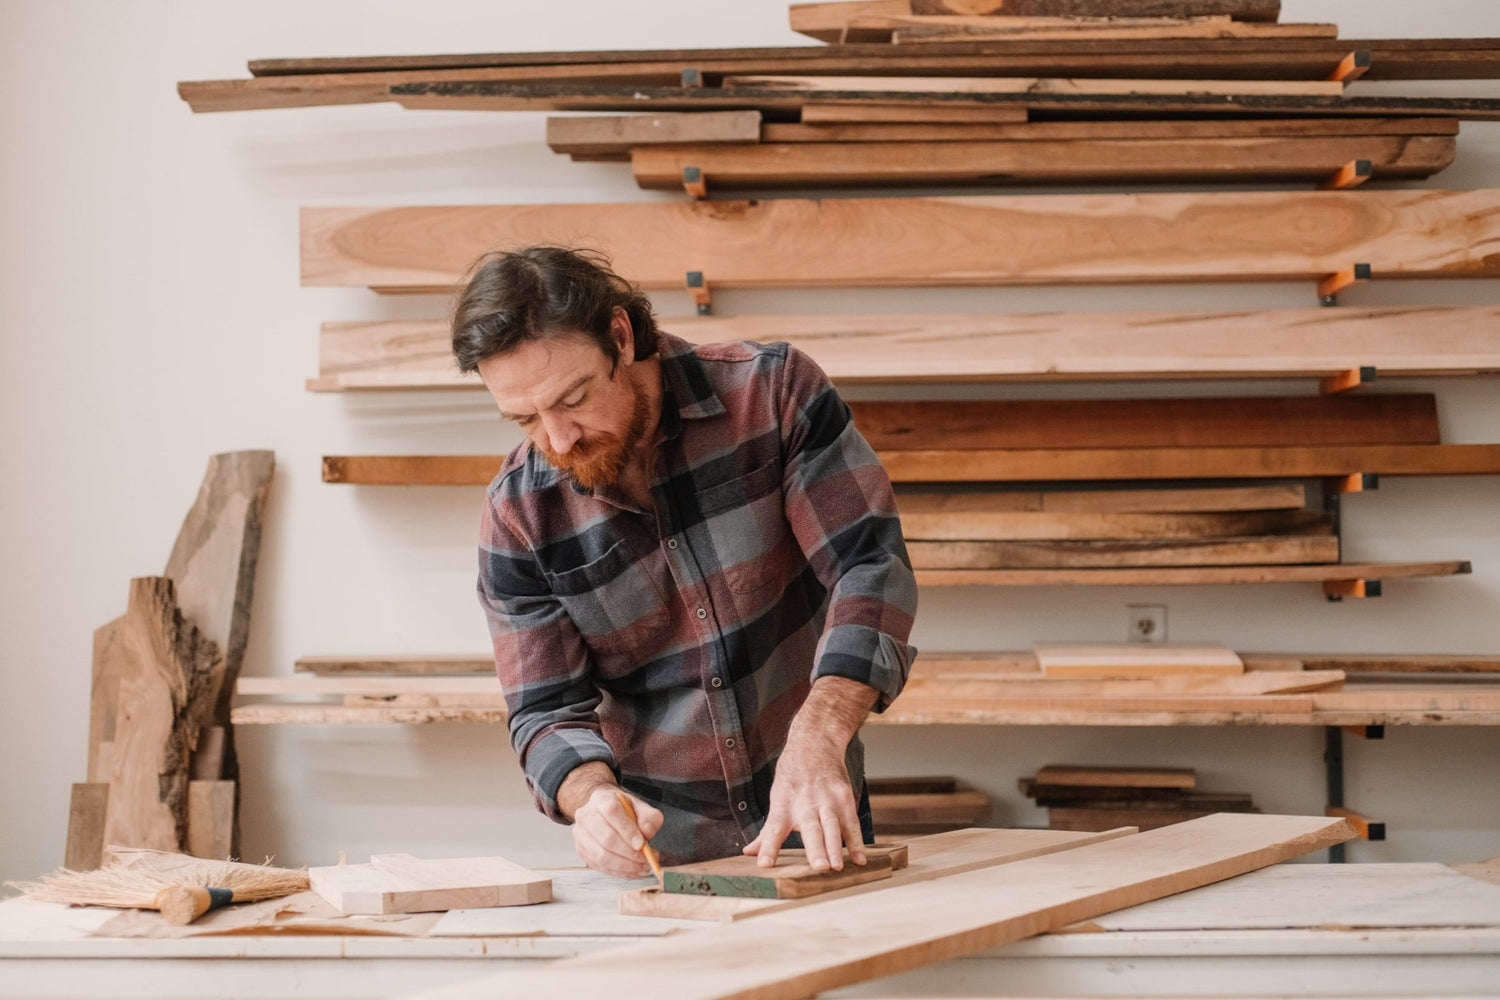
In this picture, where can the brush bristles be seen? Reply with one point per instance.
(136, 886)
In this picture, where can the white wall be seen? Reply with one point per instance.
(150, 315)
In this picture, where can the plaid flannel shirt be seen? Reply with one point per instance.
(676, 645)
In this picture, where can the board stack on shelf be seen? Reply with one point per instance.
(916, 807)
(1102, 798)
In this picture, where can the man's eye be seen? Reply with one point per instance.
(526, 421)
(576, 403)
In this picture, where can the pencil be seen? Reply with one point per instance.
(650, 852)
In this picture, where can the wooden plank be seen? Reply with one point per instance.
(1271, 550)
(919, 30)
(1037, 161)
(168, 670)
(104, 690)
(263, 686)
(1240, 10)
(586, 95)
(1121, 661)
(865, 21)
(1031, 85)
(771, 957)
(400, 883)
(1165, 576)
(86, 812)
(795, 242)
(791, 878)
(1138, 130)
(1075, 776)
(1223, 421)
(318, 714)
(1020, 465)
(929, 857)
(210, 828)
(955, 809)
(1083, 820)
(980, 688)
(396, 664)
(976, 516)
(598, 135)
(853, 111)
(1397, 663)
(403, 354)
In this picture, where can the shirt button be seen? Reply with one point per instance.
(729, 742)
(702, 613)
(717, 682)
(671, 543)
(743, 806)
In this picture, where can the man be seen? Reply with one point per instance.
(693, 573)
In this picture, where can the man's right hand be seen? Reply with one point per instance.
(603, 834)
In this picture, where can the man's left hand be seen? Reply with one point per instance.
(811, 793)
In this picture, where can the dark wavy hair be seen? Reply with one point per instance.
(513, 297)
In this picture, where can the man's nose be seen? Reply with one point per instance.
(562, 433)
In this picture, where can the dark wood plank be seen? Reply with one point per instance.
(1240, 10)
(1224, 421)
(1172, 576)
(983, 555)
(930, 518)
(1054, 131)
(970, 240)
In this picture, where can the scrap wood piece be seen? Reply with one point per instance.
(598, 135)
(1285, 342)
(1395, 663)
(1136, 659)
(400, 883)
(1103, 776)
(982, 688)
(86, 812)
(1187, 575)
(1036, 161)
(1139, 130)
(968, 240)
(464, 685)
(931, 856)
(1239, 10)
(790, 954)
(949, 86)
(1106, 502)
(401, 664)
(1267, 550)
(982, 516)
(791, 878)
(169, 672)
(897, 112)
(305, 714)
(919, 30)
(1364, 419)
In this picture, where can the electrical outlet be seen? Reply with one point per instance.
(1146, 623)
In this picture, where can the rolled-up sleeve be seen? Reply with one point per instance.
(542, 663)
(842, 510)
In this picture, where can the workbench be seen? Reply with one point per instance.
(1294, 929)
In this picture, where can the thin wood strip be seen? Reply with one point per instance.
(1189, 575)
(263, 686)
(1036, 161)
(416, 354)
(791, 954)
(1254, 682)
(940, 29)
(941, 522)
(1075, 506)
(1264, 11)
(396, 664)
(595, 134)
(1082, 86)
(983, 556)
(896, 112)
(1140, 131)
(1020, 465)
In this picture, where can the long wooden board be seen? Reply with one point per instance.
(960, 28)
(1021, 465)
(1138, 130)
(791, 878)
(1037, 161)
(791, 954)
(1235, 236)
(1432, 340)
(1173, 576)
(1218, 421)
(1143, 659)
(985, 555)
(1031, 86)
(867, 21)
(982, 688)
(897, 112)
(1286, 58)
(938, 520)
(1240, 10)
(602, 135)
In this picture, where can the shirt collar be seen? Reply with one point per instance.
(687, 393)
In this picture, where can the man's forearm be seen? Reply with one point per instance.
(580, 783)
(834, 710)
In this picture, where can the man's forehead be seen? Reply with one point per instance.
(540, 374)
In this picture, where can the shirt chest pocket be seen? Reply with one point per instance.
(616, 604)
(746, 519)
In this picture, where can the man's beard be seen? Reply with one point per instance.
(598, 462)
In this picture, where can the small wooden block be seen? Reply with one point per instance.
(1124, 661)
(400, 883)
(210, 832)
(85, 849)
(792, 878)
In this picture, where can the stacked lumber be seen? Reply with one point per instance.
(162, 769)
(917, 807)
(1102, 798)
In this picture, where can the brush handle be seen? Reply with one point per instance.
(182, 904)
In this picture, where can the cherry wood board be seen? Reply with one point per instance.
(1270, 550)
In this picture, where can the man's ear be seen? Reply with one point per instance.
(623, 333)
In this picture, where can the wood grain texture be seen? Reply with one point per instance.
(873, 21)
(1119, 661)
(1138, 130)
(895, 111)
(405, 664)
(1117, 777)
(1021, 465)
(1272, 550)
(210, 827)
(86, 812)
(993, 689)
(920, 30)
(1166, 576)
(104, 692)
(411, 354)
(1221, 421)
(1032, 86)
(974, 520)
(942, 241)
(1037, 161)
(1240, 10)
(169, 671)
(791, 954)
(792, 878)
